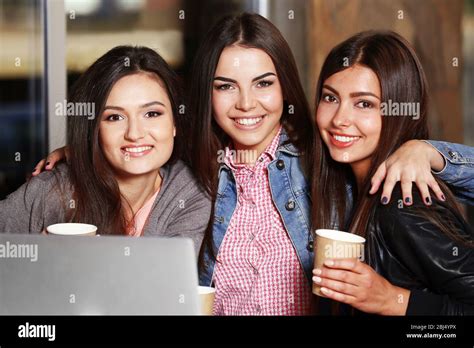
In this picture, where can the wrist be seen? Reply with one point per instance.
(437, 162)
(397, 301)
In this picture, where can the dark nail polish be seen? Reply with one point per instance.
(384, 200)
(407, 200)
(443, 198)
(428, 200)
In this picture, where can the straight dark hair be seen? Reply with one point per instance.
(402, 80)
(251, 31)
(98, 200)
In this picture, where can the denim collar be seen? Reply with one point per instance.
(284, 146)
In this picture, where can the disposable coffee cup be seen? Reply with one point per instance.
(206, 297)
(72, 229)
(333, 244)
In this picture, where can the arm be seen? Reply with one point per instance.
(443, 265)
(456, 169)
(22, 210)
(414, 162)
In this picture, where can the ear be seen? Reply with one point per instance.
(174, 131)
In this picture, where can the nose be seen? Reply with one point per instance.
(246, 101)
(135, 129)
(342, 118)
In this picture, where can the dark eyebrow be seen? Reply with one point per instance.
(226, 79)
(262, 76)
(152, 103)
(111, 107)
(361, 94)
(352, 95)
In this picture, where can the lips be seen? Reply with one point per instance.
(136, 150)
(248, 122)
(342, 140)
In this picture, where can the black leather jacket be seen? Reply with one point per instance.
(411, 252)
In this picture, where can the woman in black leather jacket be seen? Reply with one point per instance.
(371, 98)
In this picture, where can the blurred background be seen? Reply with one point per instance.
(46, 44)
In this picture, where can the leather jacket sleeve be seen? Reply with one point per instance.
(441, 269)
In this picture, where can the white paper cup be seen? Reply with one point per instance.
(333, 244)
(206, 297)
(72, 229)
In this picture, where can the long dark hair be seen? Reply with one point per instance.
(98, 200)
(402, 80)
(253, 31)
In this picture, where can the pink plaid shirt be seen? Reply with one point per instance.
(257, 270)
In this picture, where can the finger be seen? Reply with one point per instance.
(53, 158)
(406, 192)
(353, 265)
(67, 153)
(388, 186)
(338, 296)
(425, 192)
(344, 288)
(433, 184)
(337, 274)
(39, 167)
(378, 177)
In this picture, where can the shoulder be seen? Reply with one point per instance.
(417, 219)
(48, 180)
(179, 180)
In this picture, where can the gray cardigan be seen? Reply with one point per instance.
(181, 208)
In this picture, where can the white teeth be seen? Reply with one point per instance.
(137, 149)
(248, 121)
(344, 139)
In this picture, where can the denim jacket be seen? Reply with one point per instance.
(291, 195)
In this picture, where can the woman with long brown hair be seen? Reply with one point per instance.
(419, 259)
(124, 174)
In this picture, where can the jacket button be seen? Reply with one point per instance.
(310, 246)
(280, 164)
(453, 155)
(290, 205)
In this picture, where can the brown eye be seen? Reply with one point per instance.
(223, 87)
(114, 117)
(364, 104)
(153, 114)
(329, 98)
(265, 83)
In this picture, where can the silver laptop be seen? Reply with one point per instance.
(69, 275)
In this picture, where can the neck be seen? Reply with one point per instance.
(248, 154)
(137, 189)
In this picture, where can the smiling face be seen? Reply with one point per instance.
(247, 98)
(136, 130)
(349, 117)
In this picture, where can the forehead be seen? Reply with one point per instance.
(357, 78)
(238, 61)
(139, 86)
